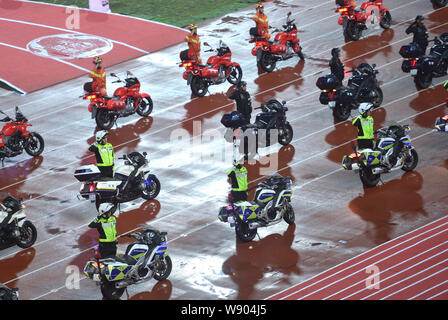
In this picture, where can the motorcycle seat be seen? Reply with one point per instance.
(126, 259)
(108, 179)
(111, 98)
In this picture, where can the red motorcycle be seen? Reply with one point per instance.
(15, 138)
(126, 101)
(218, 69)
(354, 21)
(285, 46)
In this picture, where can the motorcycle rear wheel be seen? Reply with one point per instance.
(104, 119)
(386, 20)
(369, 179)
(410, 162)
(110, 292)
(352, 31)
(267, 63)
(164, 272)
(423, 80)
(35, 145)
(341, 112)
(235, 75)
(145, 107)
(198, 86)
(244, 233)
(28, 235)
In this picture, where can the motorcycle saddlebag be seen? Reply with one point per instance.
(232, 120)
(87, 173)
(328, 82)
(411, 51)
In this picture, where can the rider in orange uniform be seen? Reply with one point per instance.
(262, 22)
(98, 75)
(194, 43)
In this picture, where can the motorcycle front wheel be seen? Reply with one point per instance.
(35, 144)
(386, 20)
(199, 86)
(235, 75)
(145, 107)
(289, 216)
(104, 119)
(285, 135)
(28, 235)
(440, 3)
(163, 270)
(244, 233)
(110, 292)
(410, 162)
(152, 189)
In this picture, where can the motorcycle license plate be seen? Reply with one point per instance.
(92, 197)
(332, 104)
(414, 72)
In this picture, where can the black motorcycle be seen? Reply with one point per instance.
(272, 117)
(14, 228)
(7, 293)
(362, 87)
(131, 181)
(425, 67)
(440, 3)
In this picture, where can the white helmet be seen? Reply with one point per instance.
(364, 107)
(105, 207)
(100, 135)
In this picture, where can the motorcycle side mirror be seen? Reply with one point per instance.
(354, 146)
(113, 75)
(289, 13)
(283, 102)
(145, 153)
(374, 65)
(206, 44)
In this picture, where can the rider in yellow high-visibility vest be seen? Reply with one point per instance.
(104, 153)
(364, 124)
(237, 177)
(106, 224)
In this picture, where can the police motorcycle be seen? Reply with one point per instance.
(362, 87)
(144, 259)
(425, 67)
(272, 204)
(8, 294)
(439, 3)
(131, 180)
(271, 119)
(441, 123)
(14, 228)
(371, 163)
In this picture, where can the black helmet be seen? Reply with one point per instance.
(241, 84)
(419, 18)
(335, 51)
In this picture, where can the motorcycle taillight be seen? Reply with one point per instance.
(413, 62)
(92, 187)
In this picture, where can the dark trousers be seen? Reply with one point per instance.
(365, 143)
(107, 171)
(107, 249)
(239, 196)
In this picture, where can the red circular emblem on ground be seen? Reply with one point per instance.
(70, 46)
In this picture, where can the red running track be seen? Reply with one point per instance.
(412, 266)
(26, 21)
